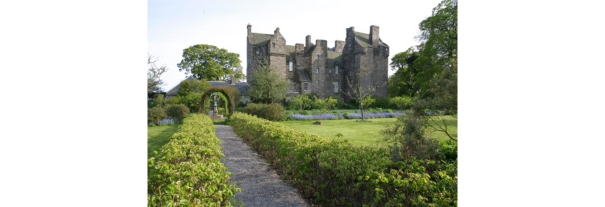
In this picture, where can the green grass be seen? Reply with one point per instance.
(158, 136)
(360, 133)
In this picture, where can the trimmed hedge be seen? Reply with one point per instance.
(273, 112)
(188, 171)
(334, 173)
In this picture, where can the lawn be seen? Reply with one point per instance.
(360, 133)
(158, 136)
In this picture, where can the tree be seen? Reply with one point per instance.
(404, 81)
(210, 63)
(266, 84)
(361, 91)
(417, 66)
(192, 86)
(437, 69)
(154, 82)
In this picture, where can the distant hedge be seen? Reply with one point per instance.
(273, 112)
(188, 171)
(334, 173)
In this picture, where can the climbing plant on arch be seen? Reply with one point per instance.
(227, 97)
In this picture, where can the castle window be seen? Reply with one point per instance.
(290, 80)
(290, 66)
(336, 70)
(317, 56)
(306, 86)
(330, 71)
(317, 70)
(317, 82)
(335, 87)
(274, 45)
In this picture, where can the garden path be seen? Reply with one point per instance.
(261, 186)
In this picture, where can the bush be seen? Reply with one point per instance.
(381, 102)
(151, 125)
(334, 173)
(188, 170)
(156, 114)
(273, 112)
(177, 111)
(173, 100)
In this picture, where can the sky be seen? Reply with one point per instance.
(174, 26)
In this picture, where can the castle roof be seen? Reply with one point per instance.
(302, 74)
(290, 52)
(334, 58)
(260, 39)
(364, 40)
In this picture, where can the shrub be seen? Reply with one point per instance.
(188, 170)
(159, 100)
(382, 102)
(305, 112)
(173, 100)
(156, 114)
(389, 111)
(151, 125)
(273, 112)
(334, 173)
(177, 111)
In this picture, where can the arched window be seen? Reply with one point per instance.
(290, 65)
(336, 70)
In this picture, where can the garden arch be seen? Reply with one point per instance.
(226, 96)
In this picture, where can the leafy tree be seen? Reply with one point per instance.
(403, 82)
(159, 100)
(437, 79)
(192, 86)
(417, 66)
(153, 75)
(210, 63)
(267, 85)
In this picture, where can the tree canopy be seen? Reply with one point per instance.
(211, 63)
(267, 85)
(417, 66)
(192, 86)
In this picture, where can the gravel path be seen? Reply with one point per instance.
(261, 186)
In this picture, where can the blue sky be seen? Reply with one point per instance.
(176, 25)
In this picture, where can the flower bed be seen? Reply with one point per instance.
(343, 116)
(188, 171)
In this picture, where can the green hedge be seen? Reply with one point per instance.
(188, 171)
(273, 112)
(334, 173)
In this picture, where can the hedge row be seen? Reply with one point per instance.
(334, 173)
(188, 170)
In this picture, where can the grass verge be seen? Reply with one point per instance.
(158, 136)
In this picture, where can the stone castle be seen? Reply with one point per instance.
(325, 71)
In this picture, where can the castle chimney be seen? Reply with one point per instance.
(339, 45)
(249, 30)
(374, 38)
(308, 41)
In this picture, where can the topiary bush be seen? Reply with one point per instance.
(177, 111)
(273, 112)
(156, 114)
